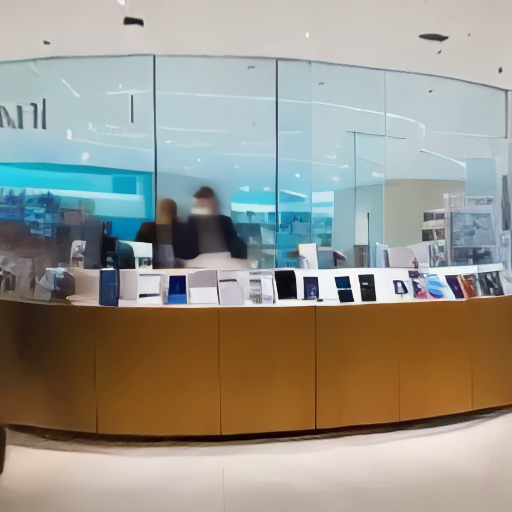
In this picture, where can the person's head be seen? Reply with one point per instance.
(205, 202)
(167, 211)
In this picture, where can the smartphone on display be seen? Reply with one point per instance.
(311, 291)
(344, 289)
(109, 287)
(367, 284)
(454, 284)
(286, 284)
(400, 288)
(494, 283)
(468, 285)
(177, 290)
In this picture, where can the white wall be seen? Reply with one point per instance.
(374, 33)
(405, 202)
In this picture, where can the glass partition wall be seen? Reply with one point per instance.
(352, 159)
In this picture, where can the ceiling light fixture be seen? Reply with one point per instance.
(335, 178)
(267, 189)
(244, 189)
(297, 175)
(198, 159)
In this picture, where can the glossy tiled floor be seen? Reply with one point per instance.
(464, 467)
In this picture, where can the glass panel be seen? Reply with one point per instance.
(348, 158)
(296, 218)
(216, 125)
(445, 161)
(76, 141)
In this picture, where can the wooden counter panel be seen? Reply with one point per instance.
(47, 366)
(158, 372)
(435, 358)
(358, 374)
(267, 369)
(491, 319)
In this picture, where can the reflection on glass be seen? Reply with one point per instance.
(348, 158)
(297, 223)
(76, 141)
(446, 156)
(216, 123)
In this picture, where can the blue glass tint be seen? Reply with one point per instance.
(77, 140)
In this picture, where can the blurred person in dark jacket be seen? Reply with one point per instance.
(211, 232)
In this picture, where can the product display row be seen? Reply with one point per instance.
(267, 287)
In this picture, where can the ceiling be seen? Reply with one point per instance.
(381, 34)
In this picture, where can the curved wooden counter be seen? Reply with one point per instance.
(208, 371)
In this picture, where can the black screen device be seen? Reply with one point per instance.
(344, 289)
(311, 290)
(286, 284)
(367, 284)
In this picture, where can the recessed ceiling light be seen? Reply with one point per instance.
(168, 141)
(121, 2)
(69, 134)
(335, 178)
(307, 34)
(244, 189)
(297, 175)
(186, 168)
(377, 175)
(267, 189)
(85, 156)
(237, 167)
(198, 159)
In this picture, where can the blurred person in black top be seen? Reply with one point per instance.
(211, 232)
(161, 233)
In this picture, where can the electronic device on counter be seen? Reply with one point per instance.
(489, 284)
(367, 284)
(311, 289)
(109, 287)
(419, 285)
(400, 288)
(494, 283)
(435, 286)
(468, 285)
(344, 289)
(286, 283)
(454, 284)
(177, 293)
